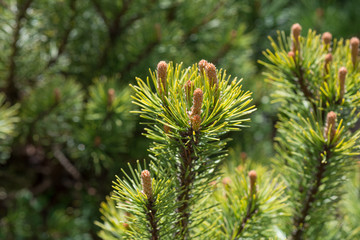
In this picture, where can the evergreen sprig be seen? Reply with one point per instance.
(317, 84)
(187, 111)
(250, 202)
(189, 149)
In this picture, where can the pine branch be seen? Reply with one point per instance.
(186, 178)
(65, 162)
(100, 12)
(299, 221)
(11, 90)
(153, 222)
(249, 214)
(65, 38)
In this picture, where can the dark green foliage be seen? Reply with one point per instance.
(187, 155)
(314, 153)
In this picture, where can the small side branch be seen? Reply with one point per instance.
(11, 90)
(153, 222)
(299, 222)
(186, 178)
(68, 166)
(249, 214)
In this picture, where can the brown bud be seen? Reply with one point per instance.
(252, 177)
(188, 87)
(330, 124)
(111, 96)
(161, 76)
(97, 141)
(126, 226)
(146, 184)
(240, 168)
(202, 65)
(291, 54)
(326, 38)
(226, 181)
(295, 32)
(57, 95)
(197, 102)
(166, 129)
(210, 70)
(354, 43)
(195, 122)
(328, 59)
(342, 76)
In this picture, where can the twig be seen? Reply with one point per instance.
(249, 214)
(186, 179)
(65, 38)
(59, 155)
(153, 222)
(299, 222)
(11, 90)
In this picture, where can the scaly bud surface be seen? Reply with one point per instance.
(210, 70)
(195, 122)
(328, 59)
(146, 184)
(295, 32)
(326, 38)
(161, 76)
(252, 177)
(202, 65)
(330, 124)
(354, 43)
(342, 76)
(197, 102)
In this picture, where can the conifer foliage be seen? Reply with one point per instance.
(187, 112)
(317, 83)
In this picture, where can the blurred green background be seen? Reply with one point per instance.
(64, 135)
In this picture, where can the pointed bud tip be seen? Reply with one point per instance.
(326, 37)
(145, 173)
(354, 42)
(252, 175)
(296, 30)
(342, 71)
(328, 57)
(226, 181)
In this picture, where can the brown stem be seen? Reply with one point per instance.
(11, 90)
(65, 162)
(299, 221)
(249, 214)
(153, 222)
(186, 179)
